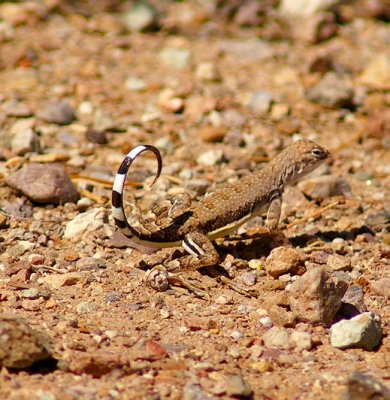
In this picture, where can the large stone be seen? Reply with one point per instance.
(47, 184)
(20, 345)
(89, 221)
(332, 91)
(315, 297)
(363, 331)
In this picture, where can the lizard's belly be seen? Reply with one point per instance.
(233, 226)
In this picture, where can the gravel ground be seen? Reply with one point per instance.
(219, 87)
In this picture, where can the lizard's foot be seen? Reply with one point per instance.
(159, 279)
(237, 288)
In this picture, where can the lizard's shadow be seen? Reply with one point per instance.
(260, 246)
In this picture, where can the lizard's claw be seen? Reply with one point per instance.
(157, 278)
(237, 288)
(198, 291)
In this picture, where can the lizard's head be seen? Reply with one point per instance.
(302, 157)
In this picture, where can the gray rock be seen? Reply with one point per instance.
(379, 220)
(84, 307)
(248, 278)
(193, 391)
(323, 187)
(47, 184)
(363, 387)
(353, 299)
(89, 264)
(60, 112)
(113, 297)
(283, 260)
(332, 91)
(175, 57)
(17, 109)
(24, 141)
(233, 118)
(305, 8)
(260, 102)
(32, 293)
(247, 50)
(140, 17)
(20, 345)
(315, 297)
(96, 136)
(363, 331)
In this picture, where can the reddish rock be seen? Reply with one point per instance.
(283, 260)
(315, 297)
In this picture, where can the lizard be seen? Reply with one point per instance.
(195, 226)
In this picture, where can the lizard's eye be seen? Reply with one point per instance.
(317, 153)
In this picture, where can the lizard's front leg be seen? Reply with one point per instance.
(201, 254)
(272, 221)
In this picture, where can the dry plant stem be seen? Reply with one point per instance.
(93, 197)
(51, 269)
(315, 213)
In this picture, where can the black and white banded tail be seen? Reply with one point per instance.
(119, 185)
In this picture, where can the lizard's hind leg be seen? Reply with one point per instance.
(202, 254)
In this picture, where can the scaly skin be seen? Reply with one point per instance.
(218, 214)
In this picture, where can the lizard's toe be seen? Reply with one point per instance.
(157, 278)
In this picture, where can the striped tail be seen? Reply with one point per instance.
(119, 185)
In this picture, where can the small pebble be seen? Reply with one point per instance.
(207, 71)
(135, 84)
(60, 112)
(96, 136)
(236, 335)
(301, 340)
(175, 57)
(210, 158)
(140, 17)
(260, 102)
(332, 91)
(113, 297)
(266, 322)
(248, 278)
(277, 337)
(84, 307)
